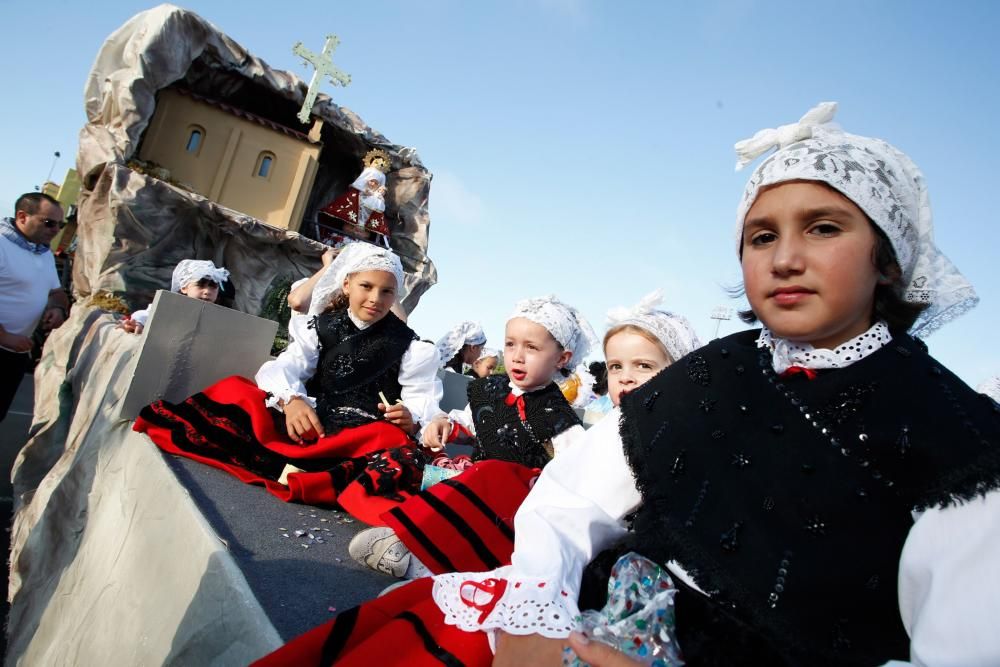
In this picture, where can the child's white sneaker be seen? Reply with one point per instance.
(380, 549)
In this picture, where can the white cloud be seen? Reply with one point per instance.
(452, 203)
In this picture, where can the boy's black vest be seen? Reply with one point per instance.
(354, 365)
(789, 499)
(501, 433)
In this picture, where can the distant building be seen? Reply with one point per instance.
(67, 195)
(51, 189)
(240, 160)
(69, 191)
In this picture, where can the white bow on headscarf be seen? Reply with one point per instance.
(750, 149)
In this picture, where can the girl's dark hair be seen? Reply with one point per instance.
(339, 302)
(599, 370)
(890, 306)
(455, 363)
(227, 294)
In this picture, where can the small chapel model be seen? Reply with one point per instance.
(241, 160)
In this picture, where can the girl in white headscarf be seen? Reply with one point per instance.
(461, 346)
(641, 341)
(821, 491)
(485, 363)
(354, 382)
(196, 278)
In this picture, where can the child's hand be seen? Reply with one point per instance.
(521, 650)
(301, 421)
(436, 433)
(399, 415)
(131, 326)
(599, 654)
(328, 257)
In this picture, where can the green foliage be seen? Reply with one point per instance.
(275, 308)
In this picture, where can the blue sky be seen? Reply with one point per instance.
(585, 148)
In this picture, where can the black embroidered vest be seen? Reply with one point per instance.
(789, 499)
(354, 365)
(502, 434)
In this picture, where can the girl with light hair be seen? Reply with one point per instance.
(354, 383)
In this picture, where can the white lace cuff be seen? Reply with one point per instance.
(474, 601)
(275, 400)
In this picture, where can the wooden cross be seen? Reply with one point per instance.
(324, 68)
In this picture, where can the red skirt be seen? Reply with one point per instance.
(403, 627)
(366, 469)
(466, 523)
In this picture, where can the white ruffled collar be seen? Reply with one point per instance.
(361, 324)
(517, 391)
(785, 353)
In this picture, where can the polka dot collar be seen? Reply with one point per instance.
(785, 353)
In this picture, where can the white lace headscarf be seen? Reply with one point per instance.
(884, 183)
(463, 333)
(353, 258)
(564, 322)
(673, 331)
(190, 271)
(361, 182)
(487, 353)
(991, 388)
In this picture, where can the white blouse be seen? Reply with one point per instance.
(140, 316)
(285, 377)
(949, 580)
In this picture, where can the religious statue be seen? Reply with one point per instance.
(363, 204)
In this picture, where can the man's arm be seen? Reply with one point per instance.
(57, 309)
(13, 342)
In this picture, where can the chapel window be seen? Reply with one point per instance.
(196, 137)
(265, 164)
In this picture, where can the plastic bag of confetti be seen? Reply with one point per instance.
(638, 618)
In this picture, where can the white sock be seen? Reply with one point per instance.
(416, 569)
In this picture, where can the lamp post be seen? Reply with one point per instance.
(55, 158)
(720, 313)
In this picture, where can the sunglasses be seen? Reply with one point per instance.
(53, 224)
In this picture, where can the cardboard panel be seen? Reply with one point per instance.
(456, 386)
(189, 344)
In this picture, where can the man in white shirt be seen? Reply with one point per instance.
(30, 292)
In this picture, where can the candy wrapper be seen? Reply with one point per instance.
(435, 474)
(638, 619)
